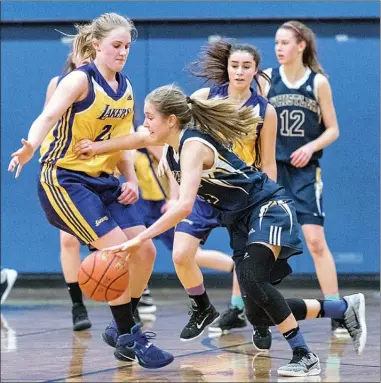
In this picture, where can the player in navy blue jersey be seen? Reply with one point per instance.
(260, 219)
(301, 95)
(231, 68)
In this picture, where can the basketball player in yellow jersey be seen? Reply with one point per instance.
(81, 197)
(70, 246)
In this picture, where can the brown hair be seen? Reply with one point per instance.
(213, 61)
(220, 118)
(303, 33)
(99, 28)
(69, 64)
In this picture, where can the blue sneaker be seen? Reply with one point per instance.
(110, 335)
(137, 344)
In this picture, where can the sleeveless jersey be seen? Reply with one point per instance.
(298, 111)
(231, 185)
(247, 150)
(102, 115)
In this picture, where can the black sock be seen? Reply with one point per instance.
(75, 292)
(134, 304)
(123, 317)
(200, 301)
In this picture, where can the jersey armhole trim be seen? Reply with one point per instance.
(209, 145)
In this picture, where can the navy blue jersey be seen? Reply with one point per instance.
(247, 151)
(299, 117)
(230, 185)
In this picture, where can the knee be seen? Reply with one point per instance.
(181, 256)
(316, 246)
(69, 244)
(147, 253)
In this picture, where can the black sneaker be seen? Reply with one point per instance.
(80, 318)
(146, 304)
(303, 363)
(338, 329)
(262, 338)
(197, 322)
(234, 317)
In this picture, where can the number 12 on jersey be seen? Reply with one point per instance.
(292, 122)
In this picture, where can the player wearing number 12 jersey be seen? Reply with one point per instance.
(301, 95)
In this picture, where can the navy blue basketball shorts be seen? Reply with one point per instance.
(200, 222)
(274, 222)
(305, 187)
(150, 211)
(84, 206)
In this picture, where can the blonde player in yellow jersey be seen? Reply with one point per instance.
(81, 197)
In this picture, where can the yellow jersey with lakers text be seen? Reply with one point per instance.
(102, 115)
(247, 150)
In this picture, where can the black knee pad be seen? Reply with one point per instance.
(255, 314)
(254, 268)
(298, 308)
(253, 272)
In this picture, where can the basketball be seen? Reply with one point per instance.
(103, 277)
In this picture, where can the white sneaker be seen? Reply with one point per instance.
(302, 364)
(354, 320)
(8, 278)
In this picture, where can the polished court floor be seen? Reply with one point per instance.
(38, 344)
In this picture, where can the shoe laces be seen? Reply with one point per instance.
(145, 337)
(351, 323)
(194, 313)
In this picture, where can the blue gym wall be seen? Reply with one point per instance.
(170, 36)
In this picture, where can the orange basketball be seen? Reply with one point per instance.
(103, 277)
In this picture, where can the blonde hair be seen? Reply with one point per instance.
(302, 33)
(98, 29)
(220, 118)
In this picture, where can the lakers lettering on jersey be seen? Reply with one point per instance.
(298, 111)
(102, 115)
(246, 151)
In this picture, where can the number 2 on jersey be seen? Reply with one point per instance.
(292, 122)
(105, 134)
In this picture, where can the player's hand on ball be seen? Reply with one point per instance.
(125, 248)
(85, 149)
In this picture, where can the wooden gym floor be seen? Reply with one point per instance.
(38, 344)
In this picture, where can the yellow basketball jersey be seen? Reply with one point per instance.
(151, 186)
(246, 151)
(102, 115)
